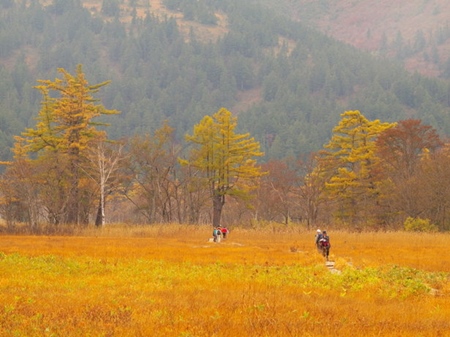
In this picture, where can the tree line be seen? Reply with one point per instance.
(370, 175)
(66, 170)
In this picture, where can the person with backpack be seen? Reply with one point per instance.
(317, 238)
(224, 231)
(325, 245)
(216, 234)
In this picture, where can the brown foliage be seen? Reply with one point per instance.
(401, 147)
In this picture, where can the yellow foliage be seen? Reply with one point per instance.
(224, 158)
(349, 160)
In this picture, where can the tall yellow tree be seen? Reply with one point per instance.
(65, 127)
(224, 159)
(350, 161)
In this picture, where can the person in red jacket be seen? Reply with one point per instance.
(225, 232)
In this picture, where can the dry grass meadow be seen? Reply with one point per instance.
(170, 281)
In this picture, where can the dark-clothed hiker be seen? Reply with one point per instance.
(325, 244)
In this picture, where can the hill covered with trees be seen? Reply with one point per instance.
(181, 60)
(414, 32)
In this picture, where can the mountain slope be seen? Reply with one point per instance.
(416, 31)
(287, 83)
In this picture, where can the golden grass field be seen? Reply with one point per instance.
(170, 281)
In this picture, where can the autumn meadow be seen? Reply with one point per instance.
(171, 281)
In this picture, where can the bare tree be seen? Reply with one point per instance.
(104, 159)
(312, 189)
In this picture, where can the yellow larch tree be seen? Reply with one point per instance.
(224, 159)
(65, 128)
(350, 161)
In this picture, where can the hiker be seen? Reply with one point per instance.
(325, 237)
(318, 237)
(225, 232)
(216, 234)
(325, 245)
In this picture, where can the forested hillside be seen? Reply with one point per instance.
(181, 60)
(415, 32)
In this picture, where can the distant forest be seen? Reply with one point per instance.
(287, 83)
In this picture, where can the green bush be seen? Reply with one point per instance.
(419, 225)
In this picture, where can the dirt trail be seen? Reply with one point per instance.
(330, 266)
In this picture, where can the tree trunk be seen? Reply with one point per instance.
(73, 204)
(100, 218)
(218, 202)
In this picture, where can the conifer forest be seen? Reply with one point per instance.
(214, 111)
